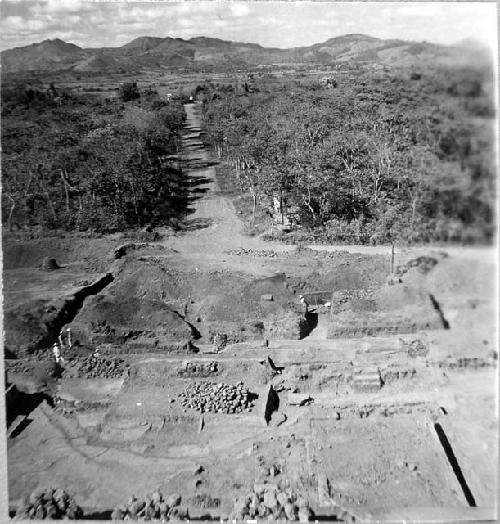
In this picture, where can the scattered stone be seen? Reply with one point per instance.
(268, 502)
(220, 342)
(393, 280)
(154, 506)
(204, 500)
(95, 366)
(423, 264)
(209, 397)
(417, 348)
(48, 504)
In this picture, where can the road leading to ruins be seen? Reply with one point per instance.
(214, 227)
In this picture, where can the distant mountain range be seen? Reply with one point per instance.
(206, 53)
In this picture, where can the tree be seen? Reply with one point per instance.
(129, 91)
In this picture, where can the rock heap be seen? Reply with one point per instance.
(217, 398)
(100, 367)
(268, 502)
(48, 504)
(423, 264)
(154, 506)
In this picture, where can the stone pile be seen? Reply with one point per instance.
(208, 397)
(253, 252)
(219, 341)
(154, 506)
(424, 264)
(95, 366)
(48, 504)
(198, 369)
(268, 502)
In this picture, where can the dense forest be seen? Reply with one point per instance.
(403, 156)
(75, 162)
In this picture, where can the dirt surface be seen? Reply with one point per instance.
(349, 400)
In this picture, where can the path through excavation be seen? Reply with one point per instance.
(367, 406)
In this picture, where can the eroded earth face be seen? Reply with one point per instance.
(377, 399)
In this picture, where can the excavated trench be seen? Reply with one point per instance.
(452, 460)
(73, 304)
(437, 306)
(307, 324)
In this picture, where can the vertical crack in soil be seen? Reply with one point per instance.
(452, 459)
(437, 307)
(272, 404)
(195, 333)
(308, 322)
(72, 307)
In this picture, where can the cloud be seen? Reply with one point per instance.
(62, 6)
(238, 9)
(18, 23)
(278, 24)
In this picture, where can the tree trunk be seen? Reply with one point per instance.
(254, 196)
(11, 212)
(281, 208)
(66, 192)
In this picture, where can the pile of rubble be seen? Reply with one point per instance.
(154, 506)
(217, 398)
(423, 264)
(198, 369)
(262, 253)
(266, 501)
(48, 504)
(95, 366)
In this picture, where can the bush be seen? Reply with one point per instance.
(129, 91)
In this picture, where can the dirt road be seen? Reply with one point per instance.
(214, 227)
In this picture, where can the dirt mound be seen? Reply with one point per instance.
(218, 301)
(390, 310)
(29, 326)
(49, 264)
(109, 319)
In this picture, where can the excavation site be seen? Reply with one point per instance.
(247, 283)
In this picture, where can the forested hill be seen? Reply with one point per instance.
(213, 53)
(407, 157)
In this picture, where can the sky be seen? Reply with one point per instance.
(274, 24)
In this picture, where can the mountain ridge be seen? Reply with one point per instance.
(206, 52)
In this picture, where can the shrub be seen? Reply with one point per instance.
(129, 91)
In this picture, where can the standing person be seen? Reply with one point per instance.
(69, 337)
(57, 353)
(305, 304)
